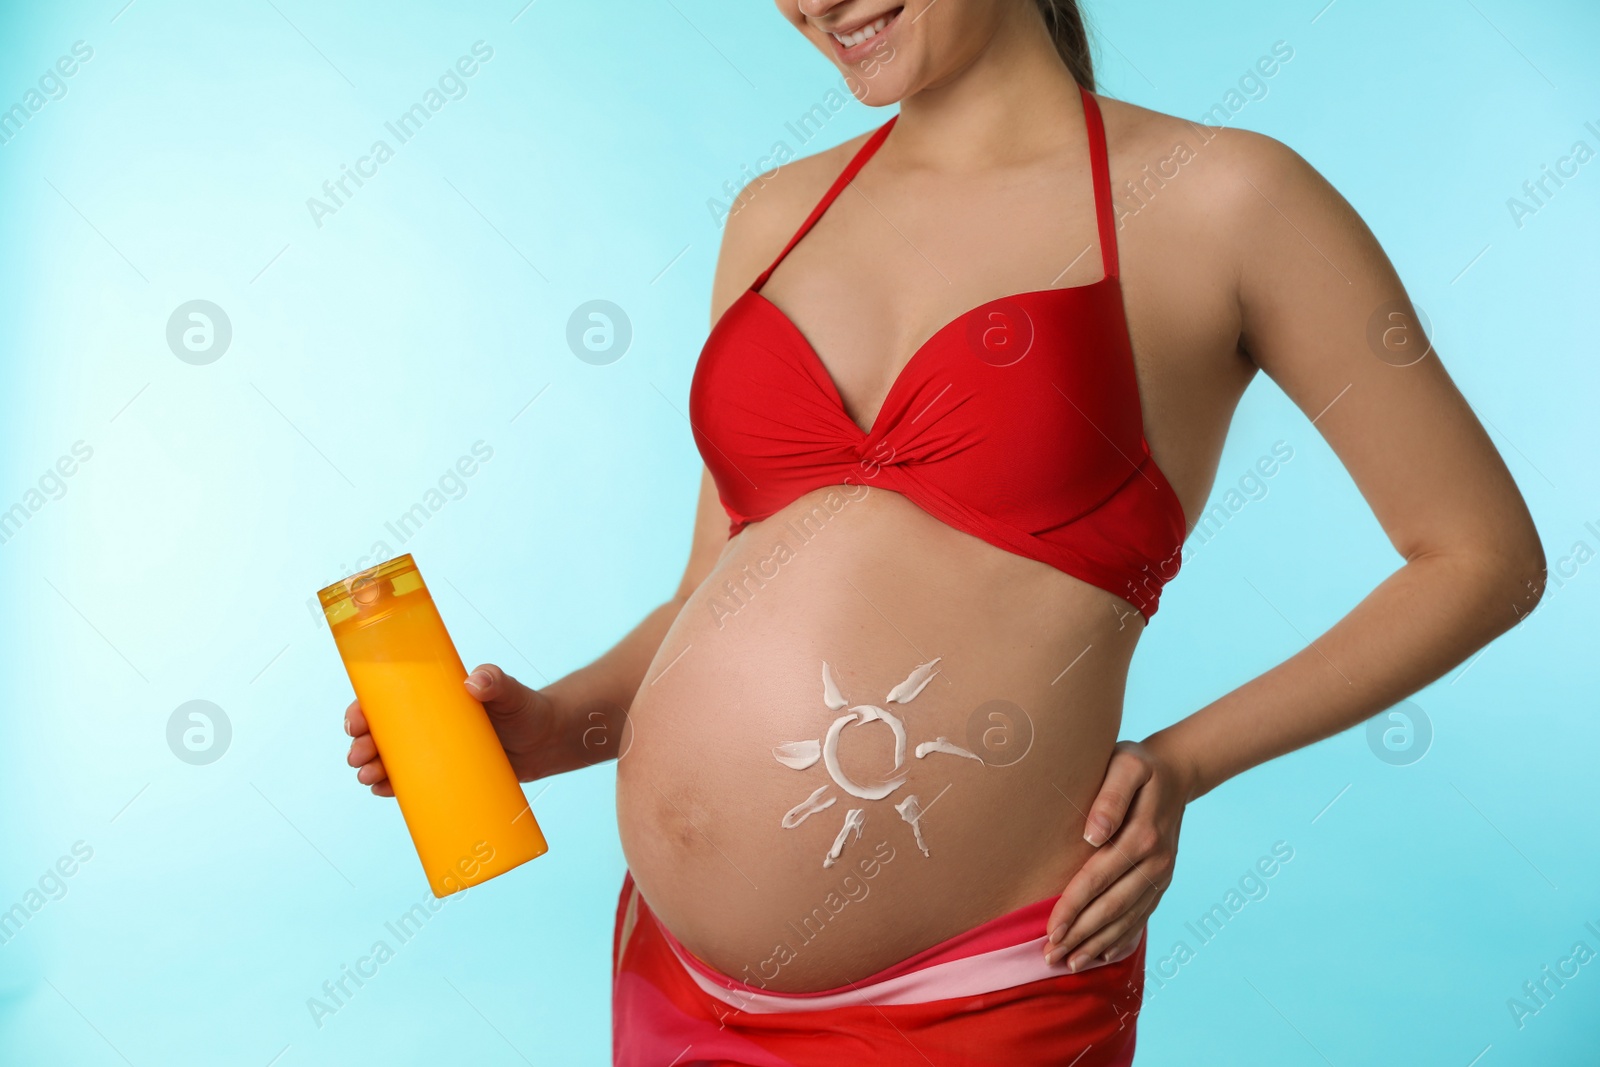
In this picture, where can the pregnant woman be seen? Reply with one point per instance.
(965, 393)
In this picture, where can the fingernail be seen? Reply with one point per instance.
(347, 729)
(479, 680)
(1098, 829)
(1058, 933)
(1075, 964)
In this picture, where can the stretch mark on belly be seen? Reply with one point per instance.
(801, 755)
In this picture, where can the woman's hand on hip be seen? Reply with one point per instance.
(1134, 824)
(524, 719)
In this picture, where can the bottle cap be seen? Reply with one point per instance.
(370, 593)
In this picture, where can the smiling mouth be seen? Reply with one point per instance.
(856, 38)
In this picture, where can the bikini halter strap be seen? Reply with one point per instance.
(1099, 165)
(857, 161)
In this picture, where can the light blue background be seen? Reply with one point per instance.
(368, 354)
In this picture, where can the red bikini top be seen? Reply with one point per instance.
(1017, 422)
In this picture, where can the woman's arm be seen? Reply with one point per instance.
(1325, 316)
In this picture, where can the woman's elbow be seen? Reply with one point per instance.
(1513, 574)
(1499, 578)
(1525, 574)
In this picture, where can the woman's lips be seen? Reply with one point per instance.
(864, 40)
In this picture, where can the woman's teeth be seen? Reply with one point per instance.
(850, 40)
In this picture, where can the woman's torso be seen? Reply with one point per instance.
(1031, 661)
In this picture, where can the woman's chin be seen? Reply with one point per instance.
(878, 91)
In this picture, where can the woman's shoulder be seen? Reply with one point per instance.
(1192, 175)
(1147, 145)
(770, 208)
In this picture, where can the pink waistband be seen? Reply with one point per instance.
(1002, 953)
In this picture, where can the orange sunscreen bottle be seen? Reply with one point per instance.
(461, 800)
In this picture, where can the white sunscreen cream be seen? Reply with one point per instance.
(806, 808)
(941, 744)
(853, 819)
(830, 752)
(801, 755)
(911, 811)
(915, 683)
(830, 689)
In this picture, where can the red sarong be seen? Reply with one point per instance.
(983, 997)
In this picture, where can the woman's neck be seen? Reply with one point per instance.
(1014, 103)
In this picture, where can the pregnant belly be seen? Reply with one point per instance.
(865, 733)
